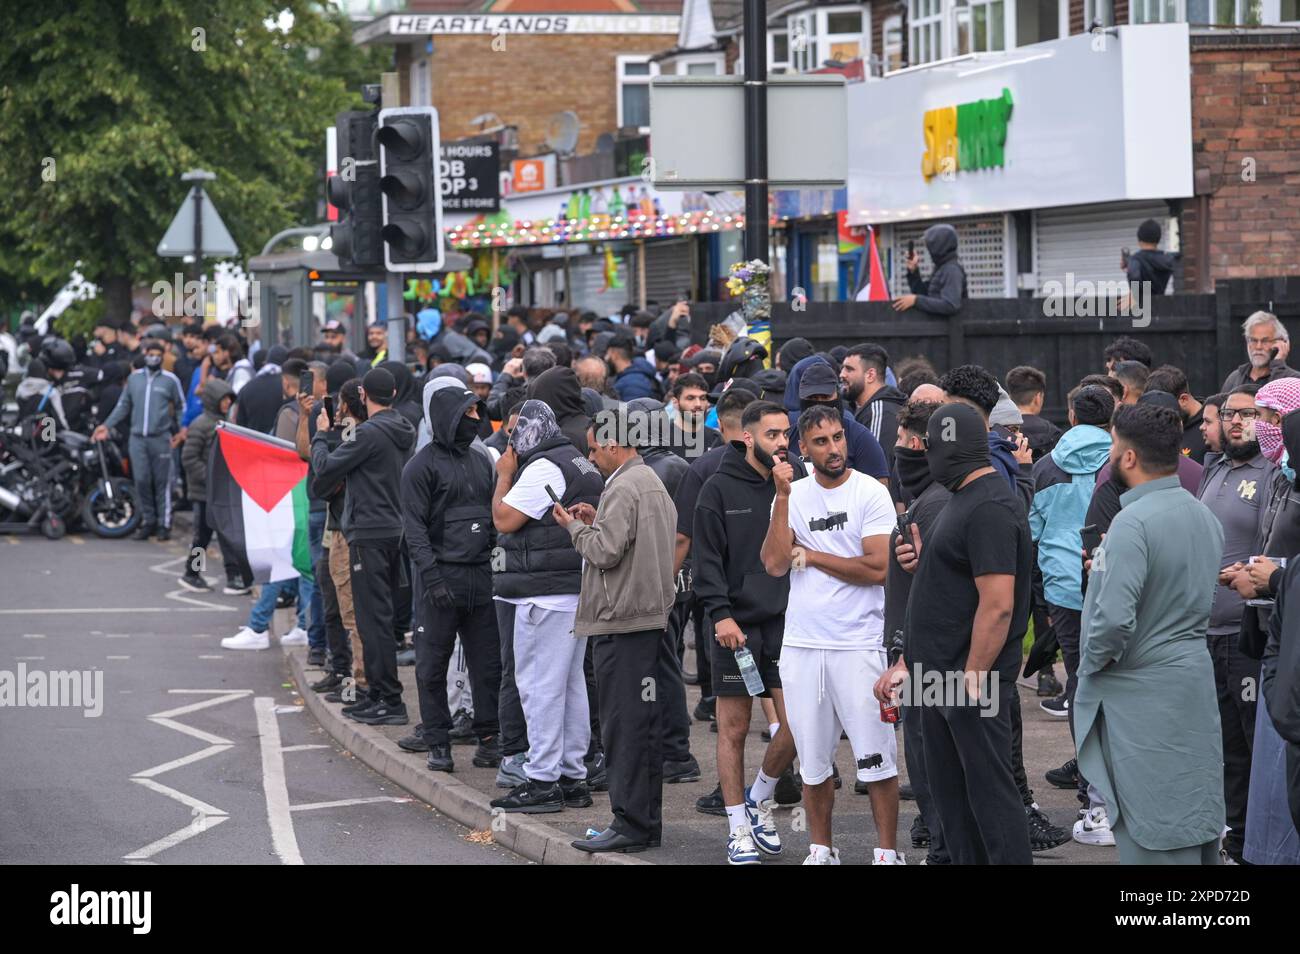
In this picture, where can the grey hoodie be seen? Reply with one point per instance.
(943, 294)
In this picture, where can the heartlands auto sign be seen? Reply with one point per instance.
(967, 136)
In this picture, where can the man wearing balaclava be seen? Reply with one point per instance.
(447, 516)
(970, 594)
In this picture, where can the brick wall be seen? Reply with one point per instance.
(1245, 117)
(528, 82)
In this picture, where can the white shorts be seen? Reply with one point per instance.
(829, 689)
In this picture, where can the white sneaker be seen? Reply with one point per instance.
(762, 825)
(1093, 828)
(880, 858)
(741, 849)
(821, 855)
(246, 639)
(295, 637)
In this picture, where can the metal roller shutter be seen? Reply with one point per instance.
(587, 276)
(667, 270)
(1085, 241)
(981, 246)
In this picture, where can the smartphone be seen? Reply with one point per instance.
(329, 408)
(551, 493)
(911, 247)
(1123, 258)
(904, 526)
(306, 382)
(1091, 537)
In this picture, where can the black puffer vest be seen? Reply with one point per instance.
(539, 559)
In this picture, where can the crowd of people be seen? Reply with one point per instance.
(544, 518)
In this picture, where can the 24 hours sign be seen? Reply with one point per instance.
(470, 175)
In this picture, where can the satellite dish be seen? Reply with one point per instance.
(562, 132)
(604, 143)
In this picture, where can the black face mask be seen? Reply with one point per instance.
(466, 431)
(957, 443)
(913, 470)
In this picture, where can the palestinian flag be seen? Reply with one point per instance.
(257, 502)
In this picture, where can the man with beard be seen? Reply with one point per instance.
(1236, 489)
(814, 381)
(1145, 716)
(831, 535)
(1174, 380)
(1211, 433)
(689, 437)
(874, 403)
(376, 350)
(747, 609)
(978, 559)
(1267, 346)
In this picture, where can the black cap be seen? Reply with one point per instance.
(380, 386)
(666, 351)
(818, 378)
(1159, 399)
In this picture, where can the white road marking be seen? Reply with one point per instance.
(117, 635)
(117, 657)
(201, 754)
(211, 657)
(343, 803)
(33, 635)
(189, 801)
(304, 747)
(200, 824)
(286, 710)
(28, 658)
(283, 839)
(78, 611)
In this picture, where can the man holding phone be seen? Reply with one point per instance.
(943, 294)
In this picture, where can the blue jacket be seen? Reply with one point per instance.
(865, 452)
(1063, 484)
(637, 380)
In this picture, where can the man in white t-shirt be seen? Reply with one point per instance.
(832, 534)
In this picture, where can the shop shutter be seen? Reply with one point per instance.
(1085, 241)
(667, 270)
(981, 246)
(587, 276)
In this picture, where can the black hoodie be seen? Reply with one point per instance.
(880, 416)
(558, 388)
(1154, 266)
(943, 294)
(372, 464)
(447, 504)
(731, 518)
(406, 402)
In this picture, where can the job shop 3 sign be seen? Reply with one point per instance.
(470, 174)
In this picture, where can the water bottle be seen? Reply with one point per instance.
(749, 671)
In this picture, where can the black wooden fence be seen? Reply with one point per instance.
(1199, 333)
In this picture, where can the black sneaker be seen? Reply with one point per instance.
(1049, 687)
(383, 713)
(363, 702)
(1058, 708)
(194, 582)
(164, 534)
(1067, 776)
(331, 682)
(237, 587)
(462, 729)
(597, 778)
(789, 789)
(920, 833)
(905, 792)
(315, 657)
(353, 697)
(575, 791)
(835, 774)
(414, 742)
(439, 759)
(286, 599)
(765, 735)
(687, 770)
(705, 711)
(861, 788)
(532, 798)
(142, 532)
(711, 804)
(488, 753)
(1043, 835)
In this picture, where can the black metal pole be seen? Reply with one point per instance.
(755, 51)
(198, 247)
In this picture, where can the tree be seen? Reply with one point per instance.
(104, 103)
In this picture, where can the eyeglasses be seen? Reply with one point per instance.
(1245, 413)
(1262, 342)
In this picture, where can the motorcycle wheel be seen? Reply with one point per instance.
(113, 518)
(53, 527)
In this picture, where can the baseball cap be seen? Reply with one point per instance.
(479, 372)
(818, 378)
(380, 386)
(334, 325)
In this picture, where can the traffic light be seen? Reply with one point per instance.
(354, 191)
(412, 193)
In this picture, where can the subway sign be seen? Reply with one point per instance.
(967, 136)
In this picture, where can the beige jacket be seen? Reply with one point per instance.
(627, 577)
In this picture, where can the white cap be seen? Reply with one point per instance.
(479, 372)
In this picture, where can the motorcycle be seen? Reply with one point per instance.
(45, 486)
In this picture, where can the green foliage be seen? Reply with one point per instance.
(104, 103)
(80, 317)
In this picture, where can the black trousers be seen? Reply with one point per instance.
(435, 640)
(403, 606)
(968, 763)
(203, 534)
(631, 721)
(1293, 782)
(917, 774)
(510, 712)
(1011, 702)
(376, 577)
(595, 747)
(703, 649)
(336, 636)
(672, 689)
(1236, 680)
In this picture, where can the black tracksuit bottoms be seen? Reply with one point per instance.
(435, 640)
(631, 722)
(376, 577)
(510, 711)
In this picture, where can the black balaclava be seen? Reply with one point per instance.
(467, 428)
(957, 443)
(1291, 441)
(913, 470)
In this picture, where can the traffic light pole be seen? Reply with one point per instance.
(756, 213)
(391, 95)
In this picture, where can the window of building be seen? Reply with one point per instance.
(979, 26)
(1038, 21)
(634, 73)
(1225, 12)
(925, 21)
(421, 90)
(778, 51)
(1288, 11)
(892, 37)
(815, 36)
(1098, 11)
